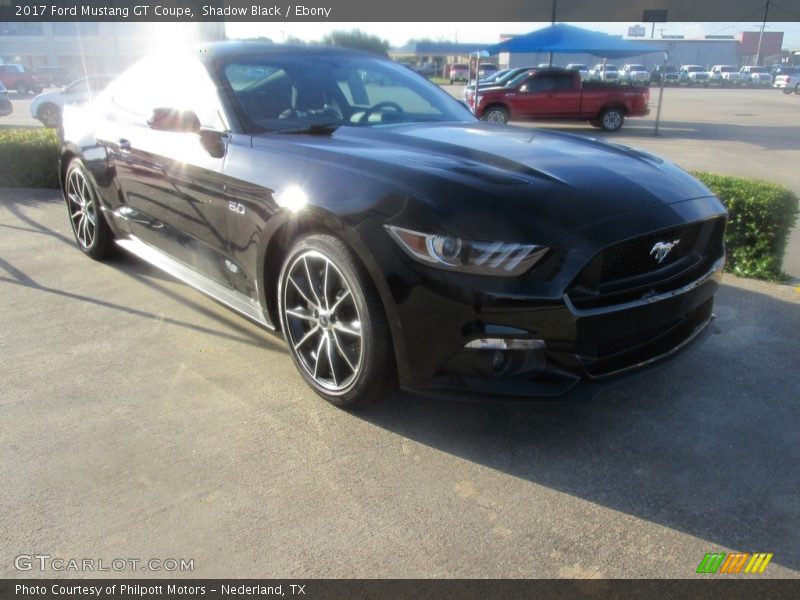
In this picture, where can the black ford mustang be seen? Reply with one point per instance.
(389, 235)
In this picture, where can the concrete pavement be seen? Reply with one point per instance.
(141, 419)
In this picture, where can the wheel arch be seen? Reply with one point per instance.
(610, 105)
(496, 104)
(277, 240)
(46, 104)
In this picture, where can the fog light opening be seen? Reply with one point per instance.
(505, 344)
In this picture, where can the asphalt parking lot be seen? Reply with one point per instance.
(143, 420)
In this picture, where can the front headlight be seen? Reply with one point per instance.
(467, 256)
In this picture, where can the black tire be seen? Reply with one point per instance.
(797, 89)
(92, 233)
(22, 88)
(49, 114)
(787, 90)
(612, 119)
(496, 114)
(324, 315)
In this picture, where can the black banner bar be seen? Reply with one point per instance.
(729, 588)
(397, 11)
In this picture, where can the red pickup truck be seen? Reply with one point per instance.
(16, 77)
(559, 94)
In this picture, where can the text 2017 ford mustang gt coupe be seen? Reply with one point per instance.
(389, 235)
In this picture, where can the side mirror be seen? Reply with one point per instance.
(172, 119)
(213, 142)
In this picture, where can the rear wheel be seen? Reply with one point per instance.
(91, 231)
(797, 89)
(496, 114)
(787, 90)
(22, 88)
(611, 119)
(334, 323)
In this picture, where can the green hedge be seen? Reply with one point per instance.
(29, 158)
(761, 217)
(762, 214)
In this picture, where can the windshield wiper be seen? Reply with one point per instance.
(313, 128)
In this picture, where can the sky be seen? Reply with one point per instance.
(399, 33)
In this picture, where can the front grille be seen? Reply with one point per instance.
(629, 270)
(633, 257)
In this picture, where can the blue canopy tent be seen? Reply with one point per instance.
(568, 39)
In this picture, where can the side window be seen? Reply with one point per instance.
(181, 83)
(78, 87)
(565, 82)
(542, 83)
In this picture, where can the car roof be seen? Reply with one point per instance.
(219, 50)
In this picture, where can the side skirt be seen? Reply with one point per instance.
(227, 296)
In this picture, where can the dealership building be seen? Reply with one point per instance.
(93, 47)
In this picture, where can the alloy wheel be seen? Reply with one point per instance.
(612, 120)
(323, 325)
(49, 115)
(496, 116)
(82, 208)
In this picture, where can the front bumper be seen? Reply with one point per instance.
(559, 344)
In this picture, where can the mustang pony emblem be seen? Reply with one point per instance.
(662, 249)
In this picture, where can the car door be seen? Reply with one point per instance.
(566, 98)
(170, 176)
(536, 97)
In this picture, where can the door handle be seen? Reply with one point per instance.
(124, 145)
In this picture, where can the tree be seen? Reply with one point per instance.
(358, 40)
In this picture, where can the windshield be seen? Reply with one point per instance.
(758, 70)
(577, 67)
(694, 69)
(727, 69)
(277, 92)
(499, 75)
(637, 68)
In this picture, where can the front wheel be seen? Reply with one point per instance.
(496, 114)
(92, 233)
(787, 90)
(797, 89)
(50, 115)
(22, 88)
(612, 119)
(334, 323)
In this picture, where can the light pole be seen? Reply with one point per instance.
(761, 35)
(553, 22)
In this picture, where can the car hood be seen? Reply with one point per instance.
(559, 181)
(54, 97)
